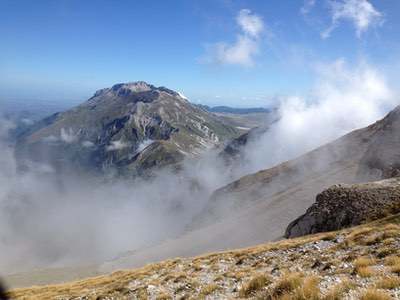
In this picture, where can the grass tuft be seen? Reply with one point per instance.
(208, 289)
(339, 290)
(257, 283)
(388, 283)
(373, 294)
(287, 284)
(309, 290)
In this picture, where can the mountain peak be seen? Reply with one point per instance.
(136, 86)
(125, 89)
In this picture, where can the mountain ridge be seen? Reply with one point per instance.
(107, 130)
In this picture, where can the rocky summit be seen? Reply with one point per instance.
(129, 128)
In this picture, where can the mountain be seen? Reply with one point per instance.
(346, 205)
(129, 128)
(258, 207)
(232, 154)
(233, 151)
(234, 110)
(271, 197)
(357, 263)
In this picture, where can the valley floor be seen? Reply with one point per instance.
(357, 263)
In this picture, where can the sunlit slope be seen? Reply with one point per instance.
(352, 262)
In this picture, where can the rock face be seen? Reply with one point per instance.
(345, 205)
(128, 128)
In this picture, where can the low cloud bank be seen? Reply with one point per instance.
(343, 99)
(49, 219)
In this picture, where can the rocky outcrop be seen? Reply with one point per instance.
(345, 205)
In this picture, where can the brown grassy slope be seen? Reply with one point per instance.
(360, 262)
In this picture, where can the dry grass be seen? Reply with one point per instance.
(388, 283)
(208, 289)
(309, 290)
(337, 292)
(362, 266)
(373, 294)
(395, 269)
(257, 283)
(365, 272)
(392, 260)
(163, 296)
(394, 263)
(364, 262)
(287, 284)
(228, 274)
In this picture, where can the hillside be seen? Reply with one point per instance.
(272, 198)
(357, 263)
(128, 128)
(258, 207)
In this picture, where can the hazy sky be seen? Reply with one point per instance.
(242, 53)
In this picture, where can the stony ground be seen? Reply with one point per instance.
(358, 263)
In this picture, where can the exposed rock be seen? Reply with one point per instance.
(345, 205)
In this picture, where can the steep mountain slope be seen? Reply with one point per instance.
(345, 205)
(258, 207)
(232, 154)
(129, 127)
(362, 155)
(357, 263)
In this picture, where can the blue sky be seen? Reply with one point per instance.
(218, 52)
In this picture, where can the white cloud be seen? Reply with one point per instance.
(343, 99)
(360, 12)
(250, 24)
(246, 46)
(307, 6)
(144, 145)
(68, 136)
(87, 144)
(116, 145)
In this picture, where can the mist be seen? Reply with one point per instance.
(343, 99)
(49, 219)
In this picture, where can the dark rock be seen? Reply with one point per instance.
(344, 205)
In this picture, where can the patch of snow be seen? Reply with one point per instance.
(182, 96)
